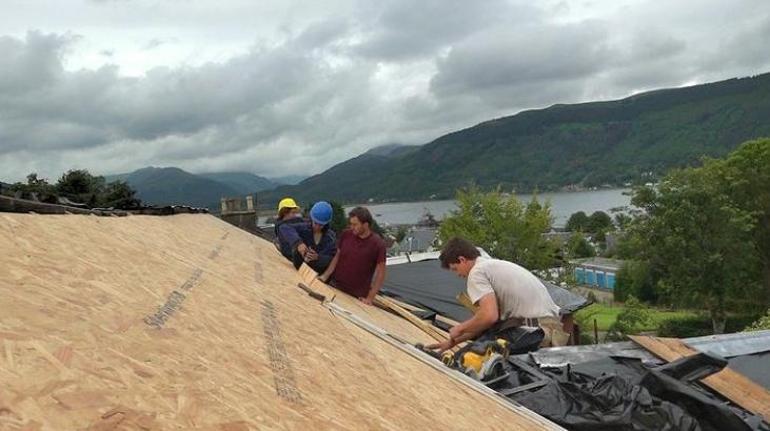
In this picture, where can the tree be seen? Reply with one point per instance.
(577, 222)
(622, 220)
(635, 279)
(119, 195)
(698, 242)
(80, 186)
(579, 247)
(339, 218)
(401, 233)
(745, 175)
(36, 188)
(503, 226)
(598, 222)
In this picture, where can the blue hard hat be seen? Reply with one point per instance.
(321, 213)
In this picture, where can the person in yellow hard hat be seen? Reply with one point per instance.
(288, 213)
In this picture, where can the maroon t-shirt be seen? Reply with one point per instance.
(358, 259)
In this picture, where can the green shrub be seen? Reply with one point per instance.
(630, 321)
(586, 337)
(761, 324)
(698, 326)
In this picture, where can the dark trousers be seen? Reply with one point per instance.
(521, 339)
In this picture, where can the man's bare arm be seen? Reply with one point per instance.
(330, 270)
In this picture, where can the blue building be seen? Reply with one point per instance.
(597, 272)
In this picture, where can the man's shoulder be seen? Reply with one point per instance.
(485, 262)
(377, 239)
(491, 266)
(345, 235)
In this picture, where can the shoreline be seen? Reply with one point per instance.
(570, 192)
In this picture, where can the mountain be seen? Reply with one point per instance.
(586, 144)
(243, 182)
(343, 181)
(173, 186)
(287, 179)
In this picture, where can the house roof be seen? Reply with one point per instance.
(187, 322)
(599, 263)
(418, 240)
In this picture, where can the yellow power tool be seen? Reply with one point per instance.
(484, 361)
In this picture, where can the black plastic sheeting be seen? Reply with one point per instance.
(624, 394)
(426, 284)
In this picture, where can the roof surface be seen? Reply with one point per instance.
(186, 322)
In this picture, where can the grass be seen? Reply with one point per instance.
(605, 316)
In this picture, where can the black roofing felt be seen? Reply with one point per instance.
(756, 367)
(426, 283)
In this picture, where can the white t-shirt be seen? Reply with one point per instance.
(519, 293)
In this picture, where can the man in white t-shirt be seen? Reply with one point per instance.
(506, 296)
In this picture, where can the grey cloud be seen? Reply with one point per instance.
(153, 43)
(30, 64)
(529, 57)
(195, 116)
(748, 46)
(327, 89)
(403, 30)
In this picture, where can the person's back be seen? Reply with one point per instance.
(288, 214)
(519, 293)
(286, 243)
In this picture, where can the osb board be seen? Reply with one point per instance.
(732, 385)
(240, 347)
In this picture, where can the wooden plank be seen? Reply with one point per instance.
(406, 314)
(732, 385)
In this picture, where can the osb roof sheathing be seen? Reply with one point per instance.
(186, 322)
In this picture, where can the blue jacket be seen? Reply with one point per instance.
(293, 231)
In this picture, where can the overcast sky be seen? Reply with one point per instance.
(292, 87)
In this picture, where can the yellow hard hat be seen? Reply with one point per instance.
(287, 203)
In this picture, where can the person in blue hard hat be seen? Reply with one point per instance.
(312, 242)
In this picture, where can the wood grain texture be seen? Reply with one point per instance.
(732, 385)
(231, 343)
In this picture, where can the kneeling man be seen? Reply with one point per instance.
(507, 296)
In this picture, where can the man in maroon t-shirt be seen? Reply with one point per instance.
(358, 268)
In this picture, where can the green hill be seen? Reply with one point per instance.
(587, 144)
(243, 182)
(173, 186)
(287, 179)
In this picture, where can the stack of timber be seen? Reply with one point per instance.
(186, 322)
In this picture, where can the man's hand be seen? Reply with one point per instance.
(323, 277)
(311, 255)
(365, 300)
(455, 332)
(302, 249)
(442, 346)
